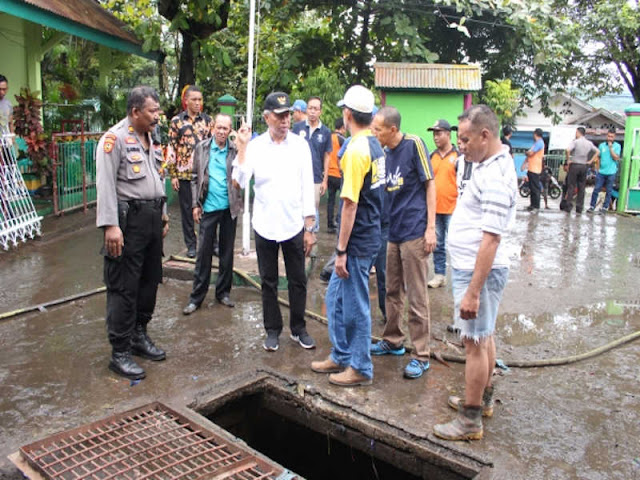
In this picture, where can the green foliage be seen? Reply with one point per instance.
(503, 99)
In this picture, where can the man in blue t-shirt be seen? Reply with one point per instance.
(609, 152)
(216, 202)
(319, 137)
(411, 193)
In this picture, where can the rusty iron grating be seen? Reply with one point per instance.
(150, 442)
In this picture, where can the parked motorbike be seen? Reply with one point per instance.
(555, 190)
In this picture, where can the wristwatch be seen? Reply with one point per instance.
(309, 229)
(340, 252)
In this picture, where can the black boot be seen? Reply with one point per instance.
(142, 346)
(122, 364)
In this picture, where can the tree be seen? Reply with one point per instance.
(503, 99)
(611, 35)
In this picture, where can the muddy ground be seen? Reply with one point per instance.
(573, 287)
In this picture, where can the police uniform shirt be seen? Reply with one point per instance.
(125, 171)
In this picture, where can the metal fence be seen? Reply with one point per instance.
(18, 218)
(74, 171)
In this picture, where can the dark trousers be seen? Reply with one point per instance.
(333, 187)
(186, 212)
(293, 253)
(577, 177)
(209, 224)
(132, 279)
(534, 187)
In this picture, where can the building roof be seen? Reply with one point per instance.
(90, 14)
(428, 76)
(83, 18)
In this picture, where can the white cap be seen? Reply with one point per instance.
(358, 98)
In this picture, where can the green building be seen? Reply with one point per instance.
(426, 92)
(23, 44)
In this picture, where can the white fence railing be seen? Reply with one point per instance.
(18, 218)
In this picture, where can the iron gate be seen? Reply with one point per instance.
(74, 171)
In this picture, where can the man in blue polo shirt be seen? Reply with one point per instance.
(319, 137)
(347, 296)
(411, 194)
(609, 158)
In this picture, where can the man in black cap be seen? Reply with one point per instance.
(283, 213)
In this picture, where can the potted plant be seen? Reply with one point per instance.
(28, 125)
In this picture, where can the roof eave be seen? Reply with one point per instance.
(34, 14)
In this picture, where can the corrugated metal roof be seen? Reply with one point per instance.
(428, 76)
(88, 13)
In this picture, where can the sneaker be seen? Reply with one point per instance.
(272, 342)
(437, 281)
(591, 210)
(349, 378)
(416, 368)
(385, 348)
(304, 339)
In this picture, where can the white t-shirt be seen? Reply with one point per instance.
(284, 189)
(488, 205)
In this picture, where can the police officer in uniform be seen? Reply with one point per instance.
(132, 212)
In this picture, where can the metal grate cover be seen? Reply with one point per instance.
(150, 442)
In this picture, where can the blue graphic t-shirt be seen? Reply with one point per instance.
(408, 168)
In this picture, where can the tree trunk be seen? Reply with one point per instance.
(361, 63)
(187, 75)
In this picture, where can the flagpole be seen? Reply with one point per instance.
(246, 217)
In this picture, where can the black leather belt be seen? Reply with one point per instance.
(155, 203)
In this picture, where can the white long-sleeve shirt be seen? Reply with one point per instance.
(284, 189)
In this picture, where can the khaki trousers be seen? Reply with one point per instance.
(407, 272)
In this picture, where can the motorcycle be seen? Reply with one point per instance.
(555, 190)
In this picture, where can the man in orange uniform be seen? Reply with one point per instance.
(533, 165)
(443, 161)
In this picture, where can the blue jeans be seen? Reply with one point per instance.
(440, 253)
(606, 181)
(484, 325)
(349, 316)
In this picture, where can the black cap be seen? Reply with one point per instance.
(442, 125)
(277, 102)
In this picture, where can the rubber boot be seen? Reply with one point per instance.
(122, 364)
(142, 346)
(466, 426)
(487, 402)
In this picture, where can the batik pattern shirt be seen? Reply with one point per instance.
(184, 133)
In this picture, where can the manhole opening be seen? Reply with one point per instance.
(292, 430)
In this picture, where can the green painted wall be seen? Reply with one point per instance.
(420, 110)
(630, 165)
(13, 65)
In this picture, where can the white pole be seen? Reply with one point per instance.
(246, 217)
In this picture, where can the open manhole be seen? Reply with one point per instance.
(317, 438)
(151, 442)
